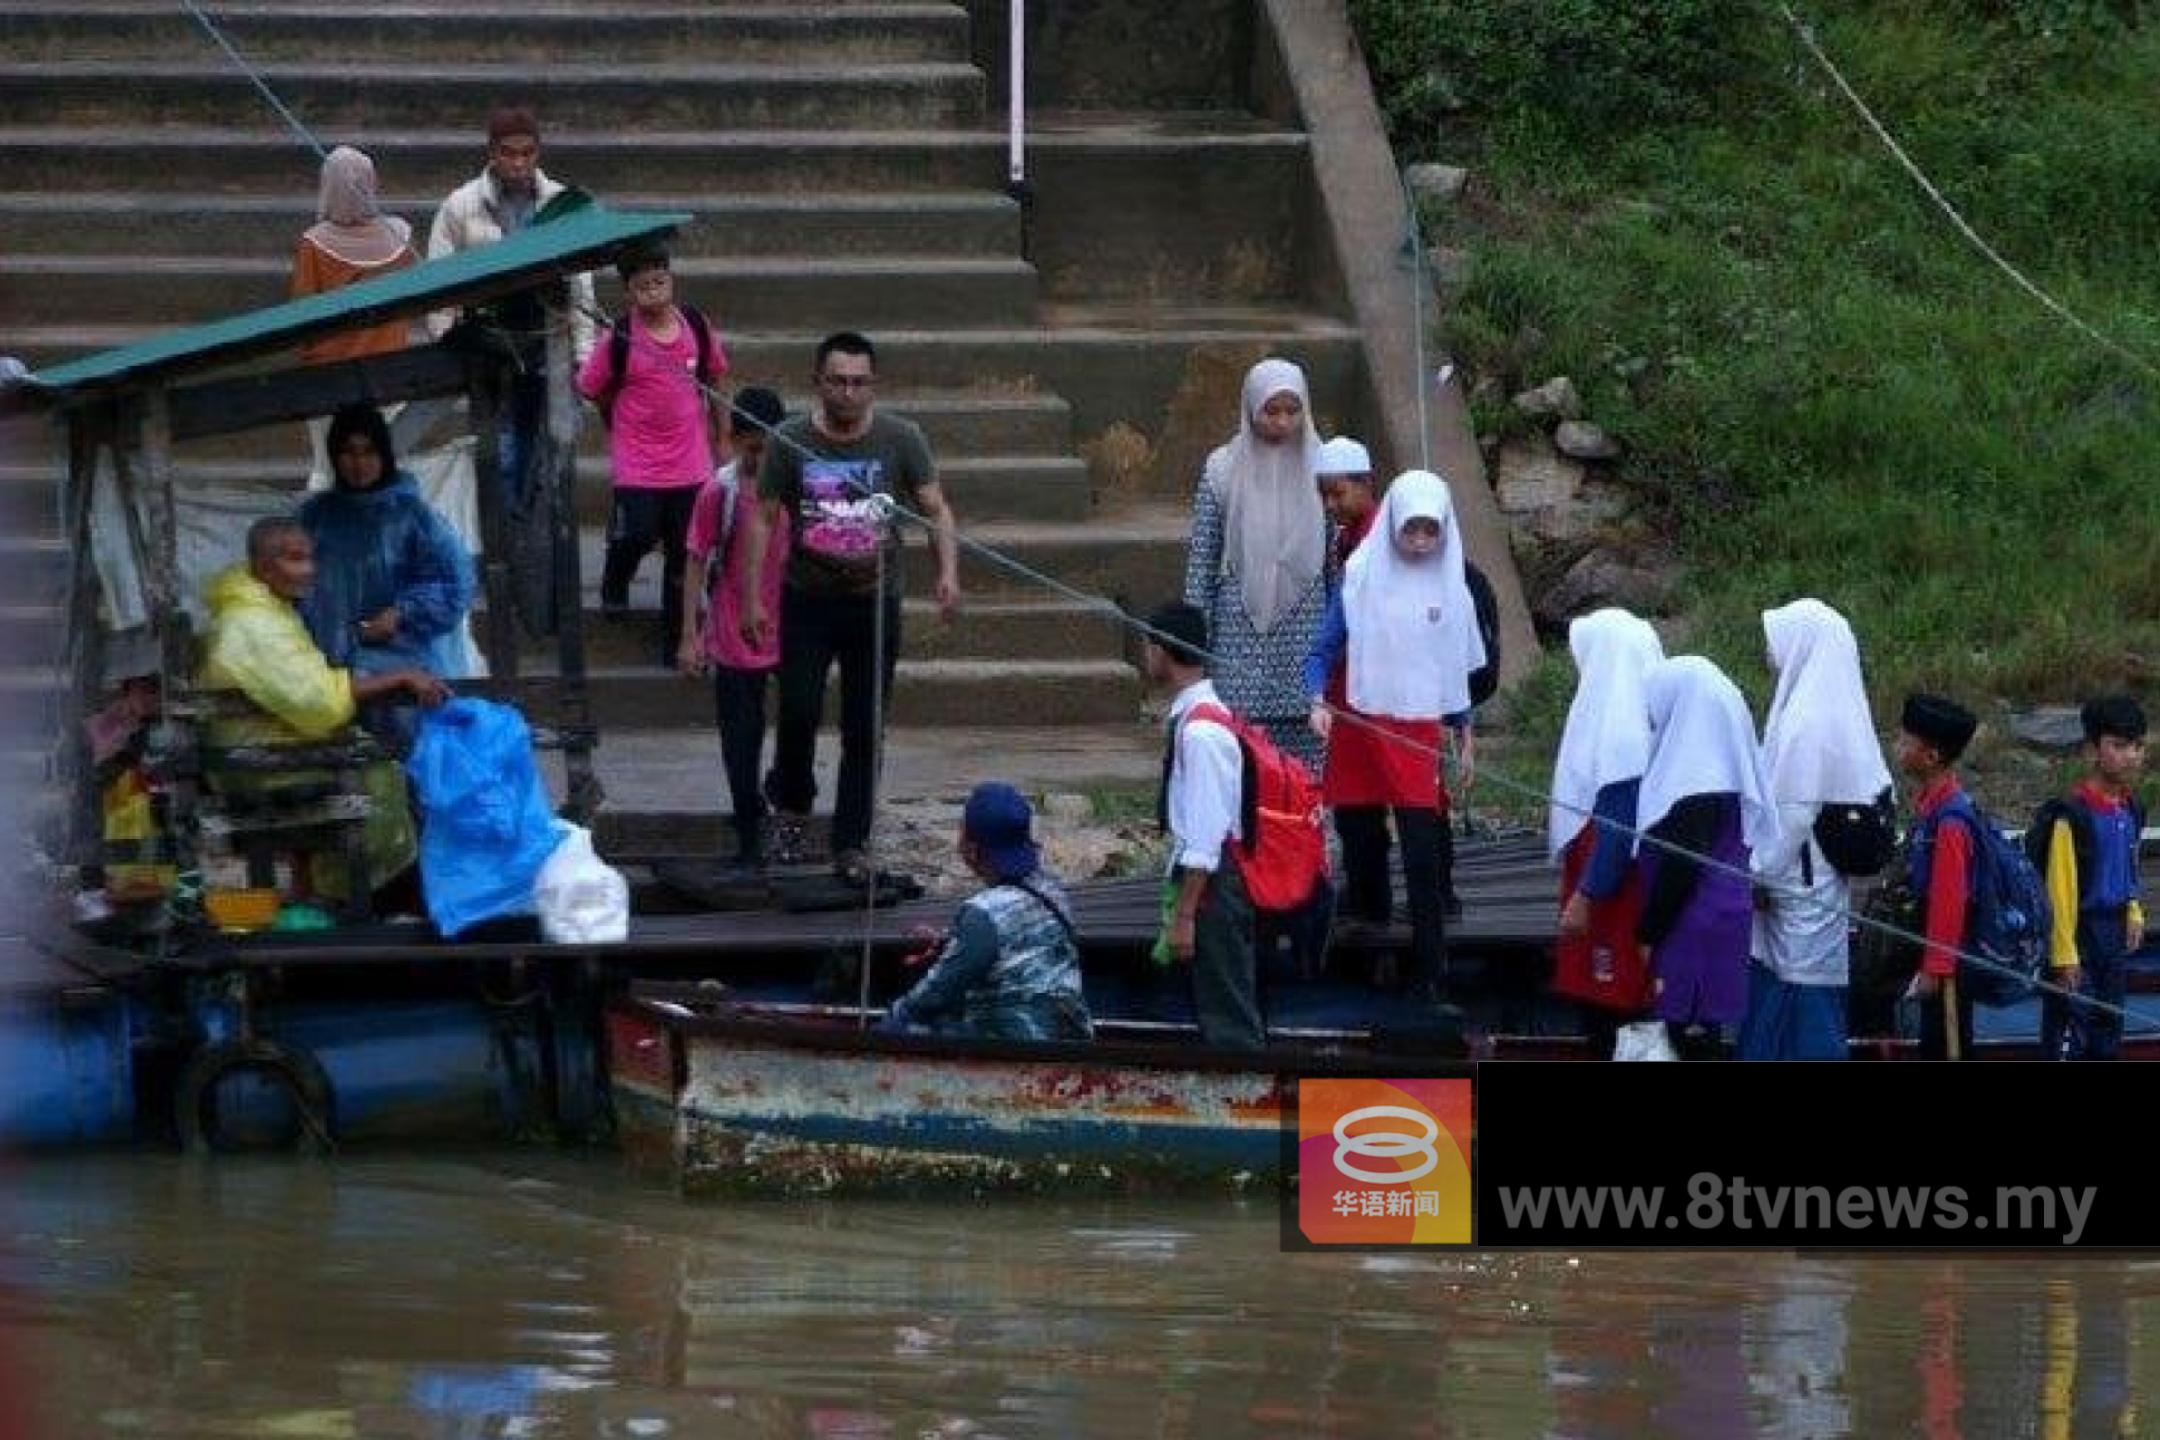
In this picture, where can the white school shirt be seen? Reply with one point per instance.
(1802, 935)
(1207, 782)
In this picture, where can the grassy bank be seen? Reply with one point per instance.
(1821, 388)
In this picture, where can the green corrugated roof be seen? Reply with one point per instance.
(576, 241)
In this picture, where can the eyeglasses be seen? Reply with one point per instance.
(846, 382)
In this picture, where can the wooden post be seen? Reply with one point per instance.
(162, 576)
(85, 637)
(159, 555)
(573, 709)
(1952, 1044)
(483, 393)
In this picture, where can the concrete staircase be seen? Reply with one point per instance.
(839, 164)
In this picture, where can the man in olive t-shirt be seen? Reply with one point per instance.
(836, 475)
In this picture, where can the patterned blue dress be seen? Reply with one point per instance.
(1259, 674)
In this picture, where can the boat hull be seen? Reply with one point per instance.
(808, 1112)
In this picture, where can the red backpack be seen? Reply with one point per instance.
(1283, 856)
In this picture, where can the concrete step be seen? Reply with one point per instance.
(951, 224)
(961, 424)
(1112, 365)
(925, 692)
(33, 570)
(627, 34)
(1135, 556)
(33, 633)
(357, 98)
(992, 629)
(1036, 488)
(192, 160)
(665, 793)
(866, 293)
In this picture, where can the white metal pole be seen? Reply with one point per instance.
(1016, 94)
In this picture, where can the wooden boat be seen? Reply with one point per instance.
(732, 1096)
(784, 1099)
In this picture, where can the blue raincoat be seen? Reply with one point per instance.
(382, 547)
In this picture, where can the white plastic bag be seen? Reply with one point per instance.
(1643, 1040)
(581, 899)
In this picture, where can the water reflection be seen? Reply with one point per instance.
(532, 1295)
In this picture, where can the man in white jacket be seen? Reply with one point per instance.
(502, 200)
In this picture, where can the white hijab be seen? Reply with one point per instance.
(1702, 742)
(1607, 738)
(1413, 628)
(1274, 530)
(1819, 744)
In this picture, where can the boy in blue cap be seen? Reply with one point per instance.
(1010, 967)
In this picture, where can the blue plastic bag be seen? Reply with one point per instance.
(486, 824)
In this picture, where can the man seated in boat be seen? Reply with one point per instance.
(1010, 968)
(258, 646)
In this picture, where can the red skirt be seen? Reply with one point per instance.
(1374, 760)
(1603, 967)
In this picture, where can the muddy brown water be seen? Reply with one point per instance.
(534, 1294)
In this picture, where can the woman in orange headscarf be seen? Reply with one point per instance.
(352, 240)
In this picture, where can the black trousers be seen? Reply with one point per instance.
(1368, 891)
(817, 632)
(1224, 969)
(739, 711)
(637, 521)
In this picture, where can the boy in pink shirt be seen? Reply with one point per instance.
(655, 382)
(712, 638)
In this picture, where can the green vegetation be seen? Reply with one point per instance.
(1822, 389)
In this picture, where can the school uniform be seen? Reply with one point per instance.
(1401, 636)
(1819, 748)
(1590, 830)
(1201, 809)
(2092, 882)
(1938, 867)
(1706, 804)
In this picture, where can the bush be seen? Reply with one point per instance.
(1587, 67)
(1821, 389)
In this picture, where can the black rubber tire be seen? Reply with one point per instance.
(195, 1098)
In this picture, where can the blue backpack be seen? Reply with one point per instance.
(2008, 918)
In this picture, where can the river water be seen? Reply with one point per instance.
(530, 1293)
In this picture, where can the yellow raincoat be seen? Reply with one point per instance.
(258, 646)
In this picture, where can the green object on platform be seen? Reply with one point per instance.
(303, 917)
(1161, 953)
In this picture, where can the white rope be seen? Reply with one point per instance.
(1641, 837)
(1950, 211)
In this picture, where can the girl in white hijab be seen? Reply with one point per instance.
(1819, 748)
(1255, 566)
(1705, 809)
(1403, 637)
(1597, 777)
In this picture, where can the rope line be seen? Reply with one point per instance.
(1928, 187)
(1641, 837)
(1117, 613)
(262, 86)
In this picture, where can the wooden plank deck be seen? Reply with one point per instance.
(1508, 891)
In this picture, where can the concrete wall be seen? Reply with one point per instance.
(1122, 54)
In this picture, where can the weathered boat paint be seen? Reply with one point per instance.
(793, 1100)
(808, 1109)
